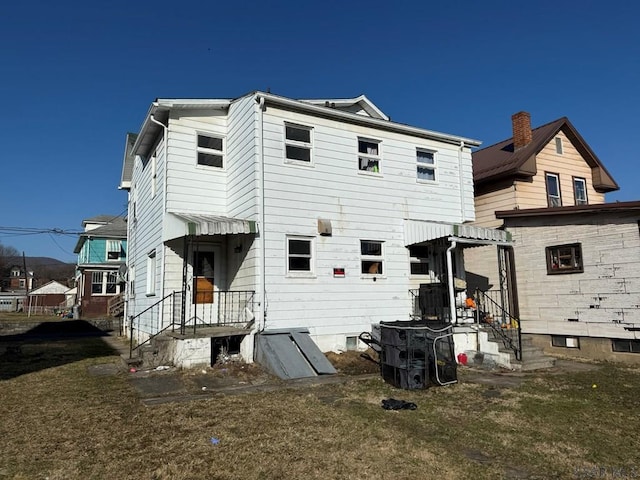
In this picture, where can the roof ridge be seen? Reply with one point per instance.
(563, 119)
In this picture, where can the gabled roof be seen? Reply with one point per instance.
(501, 160)
(351, 105)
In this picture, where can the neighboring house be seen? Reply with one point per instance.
(102, 252)
(577, 262)
(48, 298)
(277, 215)
(16, 281)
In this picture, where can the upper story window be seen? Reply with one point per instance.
(553, 190)
(559, 145)
(580, 190)
(114, 250)
(210, 151)
(564, 259)
(371, 259)
(299, 255)
(297, 139)
(368, 155)
(426, 168)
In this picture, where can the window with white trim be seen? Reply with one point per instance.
(151, 273)
(419, 261)
(210, 151)
(553, 190)
(371, 257)
(580, 190)
(426, 165)
(104, 283)
(115, 251)
(297, 139)
(299, 255)
(368, 155)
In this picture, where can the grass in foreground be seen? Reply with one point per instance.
(62, 423)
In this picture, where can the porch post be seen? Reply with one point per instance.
(452, 292)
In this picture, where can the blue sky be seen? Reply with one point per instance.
(77, 76)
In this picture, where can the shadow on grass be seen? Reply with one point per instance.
(50, 344)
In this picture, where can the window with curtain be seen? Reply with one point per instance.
(426, 165)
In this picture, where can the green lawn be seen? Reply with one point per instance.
(60, 422)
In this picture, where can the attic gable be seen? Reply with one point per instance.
(503, 160)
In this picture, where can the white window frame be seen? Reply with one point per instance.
(104, 282)
(551, 199)
(288, 142)
(210, 151)
(559, 146)
(151, 274)
(311, 256)
(374, 259)
(580, 201)
(113, 246)
(431, 166)
(370, 157)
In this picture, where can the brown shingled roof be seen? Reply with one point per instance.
(501, 160)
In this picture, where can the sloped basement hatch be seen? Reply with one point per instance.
(291, 354)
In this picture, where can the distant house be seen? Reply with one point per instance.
(102, 252)
(576, 258)
(287, 218)
(48, 298)
(17, 281)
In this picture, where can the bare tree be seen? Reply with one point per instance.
(7, 253)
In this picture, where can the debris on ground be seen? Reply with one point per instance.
(393, 404)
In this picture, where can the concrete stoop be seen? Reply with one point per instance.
(159, 351)
(533, 358)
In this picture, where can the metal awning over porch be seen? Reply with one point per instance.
(182, 224)
(418, 231)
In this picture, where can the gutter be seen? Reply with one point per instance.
(261, 205)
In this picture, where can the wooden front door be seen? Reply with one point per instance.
(203, 277)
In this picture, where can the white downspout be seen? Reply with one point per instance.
(452, 293)
(261, 229)
(165, 136)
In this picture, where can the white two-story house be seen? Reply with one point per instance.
(269, 214)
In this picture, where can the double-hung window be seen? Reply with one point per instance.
(580, 190)
(553, 190)
(299, 256)
(564, 259)
(104, 283)
(210, 151)
(371, 258)
(426, 165)
(297, 139)
(368, 155)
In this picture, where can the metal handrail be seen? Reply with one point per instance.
(508, 329)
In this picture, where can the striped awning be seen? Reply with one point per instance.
(202, 224)
(417, 231)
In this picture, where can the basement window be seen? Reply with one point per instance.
(565, 342)
(564, 259)
(625, 346)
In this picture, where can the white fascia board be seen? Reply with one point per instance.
(323, 111)
(164, 104)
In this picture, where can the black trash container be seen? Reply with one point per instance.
(417, 354)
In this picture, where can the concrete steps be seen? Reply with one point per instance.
(533, 358)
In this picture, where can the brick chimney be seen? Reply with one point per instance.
(521, 129)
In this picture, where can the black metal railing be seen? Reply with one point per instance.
(430, 302)
(493, 313)
(233, 308)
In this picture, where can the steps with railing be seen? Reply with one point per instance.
(115, 305)
(494, 317)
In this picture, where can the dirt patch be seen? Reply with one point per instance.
(354, 363)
